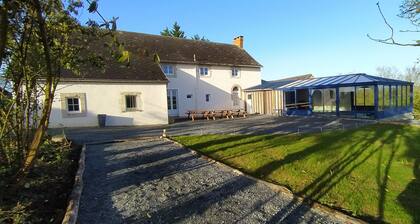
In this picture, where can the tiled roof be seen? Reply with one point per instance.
(142, 47)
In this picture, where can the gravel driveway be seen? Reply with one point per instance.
(156, 181)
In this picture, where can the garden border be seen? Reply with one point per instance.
(70, 217)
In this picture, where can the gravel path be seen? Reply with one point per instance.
(156, 181)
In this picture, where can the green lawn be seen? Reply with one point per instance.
(372, 172)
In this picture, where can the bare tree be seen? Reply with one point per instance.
(409, 9)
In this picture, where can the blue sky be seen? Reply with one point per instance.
(287, 37)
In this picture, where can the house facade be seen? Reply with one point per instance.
(190, 75)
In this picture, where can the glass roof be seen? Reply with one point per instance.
(341, 80)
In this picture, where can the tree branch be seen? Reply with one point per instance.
(390, 40)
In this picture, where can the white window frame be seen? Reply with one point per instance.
(203, 68)
(65, 113)
(164, 66)
(73, 104)
(238, 72)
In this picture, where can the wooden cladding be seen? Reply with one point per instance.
(266, 101)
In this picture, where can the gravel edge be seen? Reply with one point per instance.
(277, 188)
(72, 210)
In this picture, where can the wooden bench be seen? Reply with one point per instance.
(212, 114)
(205, 114)
(240, 113)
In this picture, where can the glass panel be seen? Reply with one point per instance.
(404, 96)
(317, 101)
(393, 96)
(369, 96)
(346, 98)
(401, 96)
(386, 97)
(130, 101)
(174, 102)
(290, 98)
(360, 96)
(329, 100)
(365, 98)
(380, 97)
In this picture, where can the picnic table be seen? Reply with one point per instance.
(212, 114)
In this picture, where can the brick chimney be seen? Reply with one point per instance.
(239, 41)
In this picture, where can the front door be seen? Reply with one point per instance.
(249, 104)
(173, 102)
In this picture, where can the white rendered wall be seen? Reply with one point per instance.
(106, 98)
(218, 84)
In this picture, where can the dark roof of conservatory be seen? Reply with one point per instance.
(342, 80)
(275, 84)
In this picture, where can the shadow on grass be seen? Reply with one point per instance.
(410, 197)
(382, 142)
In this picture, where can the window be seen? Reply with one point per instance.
(130, 102)
(346, 95)
(393, 96)
(203, 71)
(380, 97)
(235, 72)
(386, 97)
(169, 70)
(235, 96)
(73, 105)
(189, 96)
(404, 96)
(207, 97)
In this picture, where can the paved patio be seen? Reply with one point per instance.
(250, 125)
(156, 181)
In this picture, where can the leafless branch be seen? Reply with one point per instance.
(390, 40)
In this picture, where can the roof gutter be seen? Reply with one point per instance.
(65, 80)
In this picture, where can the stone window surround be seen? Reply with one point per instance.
(139, 105)
(64, 107)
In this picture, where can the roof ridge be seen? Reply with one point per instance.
(177, 38)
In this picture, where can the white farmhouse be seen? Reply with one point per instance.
(192, 75)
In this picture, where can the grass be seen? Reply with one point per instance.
(372, 172)
(43, 197)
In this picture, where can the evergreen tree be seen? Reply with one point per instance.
(174, 32)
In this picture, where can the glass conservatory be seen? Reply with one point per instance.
(354, 95)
